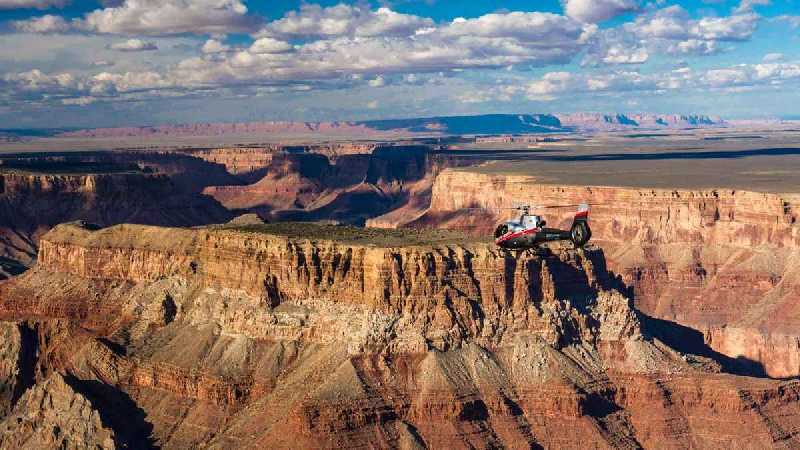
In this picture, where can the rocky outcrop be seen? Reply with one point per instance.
(335, 183)
(433, 288)
(38, 191)
(30, 204)
(720, 261)
(254, 336)
(10, 351)
(53, 415)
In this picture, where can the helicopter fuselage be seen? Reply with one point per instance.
(529, 232)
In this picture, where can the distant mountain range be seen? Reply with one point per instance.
(611, 122)
(453, 125)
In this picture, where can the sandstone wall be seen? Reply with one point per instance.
(451, 292)
(716, 260)
(222, 338)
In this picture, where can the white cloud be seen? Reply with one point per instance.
(214, 46)
(747, 5)
(377, 81)
(669, 30)
(674, 23)
(693, 46)
(153, 18)
(550, 85)
(164, 17)
(134, 45)
(344, 20)
(44, 24)
(269, 45)
(557, 85)
(491, 41)
(793, 21)
(773, 57)
(346, 47)
(738, 27)
(37, 4)
(594, 11)
(543, 28)
(620, 54)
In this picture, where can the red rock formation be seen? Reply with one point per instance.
(38, 191)
(720, 261)
(338, 183)
(230, 339)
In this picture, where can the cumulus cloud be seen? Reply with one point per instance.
(36, 4)
(214, 46)
(554, 85)
(134, 45)
(620, 54)
(747, 5)
(163, 17)
(36, 79)
(153, 18)
(542, 29)
(773, 57)
(490, 41)
(269, 45)
(594, 11)
(669, 30)
(44, 24)
(344, 20)
(674, 23)
(344, 46)
(793, 21)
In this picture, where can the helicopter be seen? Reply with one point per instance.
(529, 231)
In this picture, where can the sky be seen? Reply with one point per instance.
(100, 63)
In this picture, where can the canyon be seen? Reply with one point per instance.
(266, 335)
(719, 261)
(134, 301)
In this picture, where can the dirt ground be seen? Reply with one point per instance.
(762, 161)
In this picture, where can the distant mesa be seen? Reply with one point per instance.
(619, 122)
(440, 125)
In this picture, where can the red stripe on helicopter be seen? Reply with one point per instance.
(516, 235)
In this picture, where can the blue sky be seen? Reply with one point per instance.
(137, 62)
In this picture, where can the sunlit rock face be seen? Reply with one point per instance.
(244, 336)
(720, 261)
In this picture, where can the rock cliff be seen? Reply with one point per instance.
(268, 336)
(53, 415)
(720, 261)
(39, 191)
(339, 183)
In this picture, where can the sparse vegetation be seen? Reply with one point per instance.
(379, 237)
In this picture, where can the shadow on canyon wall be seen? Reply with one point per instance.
(680, 337)
(118, 411)
(689, 340)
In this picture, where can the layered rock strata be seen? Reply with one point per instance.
(338, 183)
(720, 261)
(247, 337)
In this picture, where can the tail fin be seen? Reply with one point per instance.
(583, 213)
